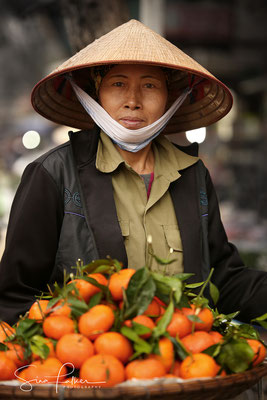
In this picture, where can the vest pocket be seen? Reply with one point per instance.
(173, 241)
(173, 238)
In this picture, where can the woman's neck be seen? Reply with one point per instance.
(142, 161)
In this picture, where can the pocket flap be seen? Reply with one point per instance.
(173, 238)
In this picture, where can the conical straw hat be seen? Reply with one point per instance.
(131, 43)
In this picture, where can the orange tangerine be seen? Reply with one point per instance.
(86, 289)
(259, 351)
(21, 374)
(118, 281)
(166, 355)
(216, 336)
(50, 370)
(198, 365)
(7, 367)
(114, 343)
(97, 320)
(197, 342)
(55, 326)
(74, 348)
(145, 369)
(142, 320)
(204, 314)
(153, 310)
(61, 308)
(102, 370)
(16, 353)
(38, 310)
(5, 330)
(179, 326)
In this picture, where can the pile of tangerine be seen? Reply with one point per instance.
(97, 355)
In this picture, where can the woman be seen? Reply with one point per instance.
(107, 189)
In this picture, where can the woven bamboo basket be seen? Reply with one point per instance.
(164, 389)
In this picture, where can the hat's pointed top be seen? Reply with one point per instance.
(132, 42)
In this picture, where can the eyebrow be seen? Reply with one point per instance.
(125, 76)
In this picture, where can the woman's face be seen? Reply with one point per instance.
(134, 95)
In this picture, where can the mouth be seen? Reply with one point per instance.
(131, 122)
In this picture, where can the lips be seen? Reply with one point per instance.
(131, 122)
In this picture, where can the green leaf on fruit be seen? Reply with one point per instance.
(179, 348)
(95, 299)
(164, 321)
(214, 293)
(39, 347)
(236, 355)
(140, 329)
(140, 345)
(168, 284)
(27, 328)
(139, 293)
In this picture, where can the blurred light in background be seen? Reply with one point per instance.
(60, 135)
(31, 139)
(196, 135)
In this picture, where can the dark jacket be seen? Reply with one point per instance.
(64, 210)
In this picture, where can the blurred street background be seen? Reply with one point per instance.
(229, 38)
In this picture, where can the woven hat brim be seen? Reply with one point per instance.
(208, 103)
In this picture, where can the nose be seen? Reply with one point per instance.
(133, 98)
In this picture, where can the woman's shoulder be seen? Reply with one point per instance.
(57, 154)
(52, 166)
(60, 162)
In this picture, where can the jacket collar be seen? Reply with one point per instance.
(84, 145)
(168, 158)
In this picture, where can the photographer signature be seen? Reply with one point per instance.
(26, 385)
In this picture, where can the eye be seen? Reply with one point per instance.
(149, 85)
(118, 84)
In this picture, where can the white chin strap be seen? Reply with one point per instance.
(127, 139)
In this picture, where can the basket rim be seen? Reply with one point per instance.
(243, 381)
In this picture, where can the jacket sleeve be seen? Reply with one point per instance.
(31, 242)
(241, 288)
